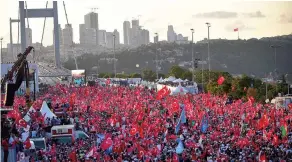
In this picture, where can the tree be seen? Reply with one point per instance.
(135, 75)
(187, 75)
(149, 75)
(176, 71)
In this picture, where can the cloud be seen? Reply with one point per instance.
(257, 14)
(238, 24)
(217, 15)
(285, 19)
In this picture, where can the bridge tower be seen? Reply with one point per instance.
(39, 13)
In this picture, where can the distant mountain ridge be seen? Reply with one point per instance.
(251, 57)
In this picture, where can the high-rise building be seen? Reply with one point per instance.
(68, 35)
(28, 33)
(91, 22)
(135, 24)
(90, 37)
(171, 35)
(126, 29)
(82, 34)
(109, 40)
(144, 36)
(117, 37)
(156, 39)
(102, 37)
(60, 35)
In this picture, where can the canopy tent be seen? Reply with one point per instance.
(186, 80)
(171, 79)
(160, 80)
(179, 80)
(46, 112)
(179, 90)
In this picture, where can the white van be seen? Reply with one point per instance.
(66, 134)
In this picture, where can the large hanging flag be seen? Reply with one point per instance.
(204, 126)
(182, 119)
(284, 129)
(162, 93)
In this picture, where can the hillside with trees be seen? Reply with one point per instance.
(252, 57)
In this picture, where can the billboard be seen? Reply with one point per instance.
(78, 77)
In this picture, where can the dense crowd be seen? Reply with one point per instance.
(138, 124)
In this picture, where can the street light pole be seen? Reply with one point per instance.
(115, 69)
(193, 66)
(275, 63)
(209, 61)
(156, 59)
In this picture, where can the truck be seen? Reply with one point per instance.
(66, 134)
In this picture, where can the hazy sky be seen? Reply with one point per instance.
(254, 19)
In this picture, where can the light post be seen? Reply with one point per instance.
(156, 59)
(193, 66)
(286, 77)
(275, 63)
(209, 61)
(115, 69)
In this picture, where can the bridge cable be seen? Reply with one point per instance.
(43, 29)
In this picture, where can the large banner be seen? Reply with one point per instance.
(78, 77)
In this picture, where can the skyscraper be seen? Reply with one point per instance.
(60, 35)
(91, 22)
(28, 33)
(126, 29)
(156, 39)
(102, 37)
(68, 35)
(109, 40)
(144, 36)
(171, 35)
(135, 24)
(82, 34)
(117, 37)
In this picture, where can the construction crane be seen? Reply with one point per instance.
(21, 71)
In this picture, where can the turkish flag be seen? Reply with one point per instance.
(27, 144)
(72, 156)
(220, 80)
(107, 143)
(133, 131)
(13, 114)
(21, 122)
(235, 30)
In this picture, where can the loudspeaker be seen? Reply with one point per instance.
(10, 93)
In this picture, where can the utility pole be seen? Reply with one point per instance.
(115, 69)
(156, 59)
(209, 61)
(193, 68)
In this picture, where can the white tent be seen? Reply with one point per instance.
(27, 116)
(171, 79)
(160, 80)
(179, 90)
(46, 111)
(179, 80)
(186, 80)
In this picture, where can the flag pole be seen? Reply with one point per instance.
(238, 34)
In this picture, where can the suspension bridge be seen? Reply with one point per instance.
(47, 73)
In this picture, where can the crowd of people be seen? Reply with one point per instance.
(138, 124)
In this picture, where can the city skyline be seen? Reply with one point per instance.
(254, 19)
